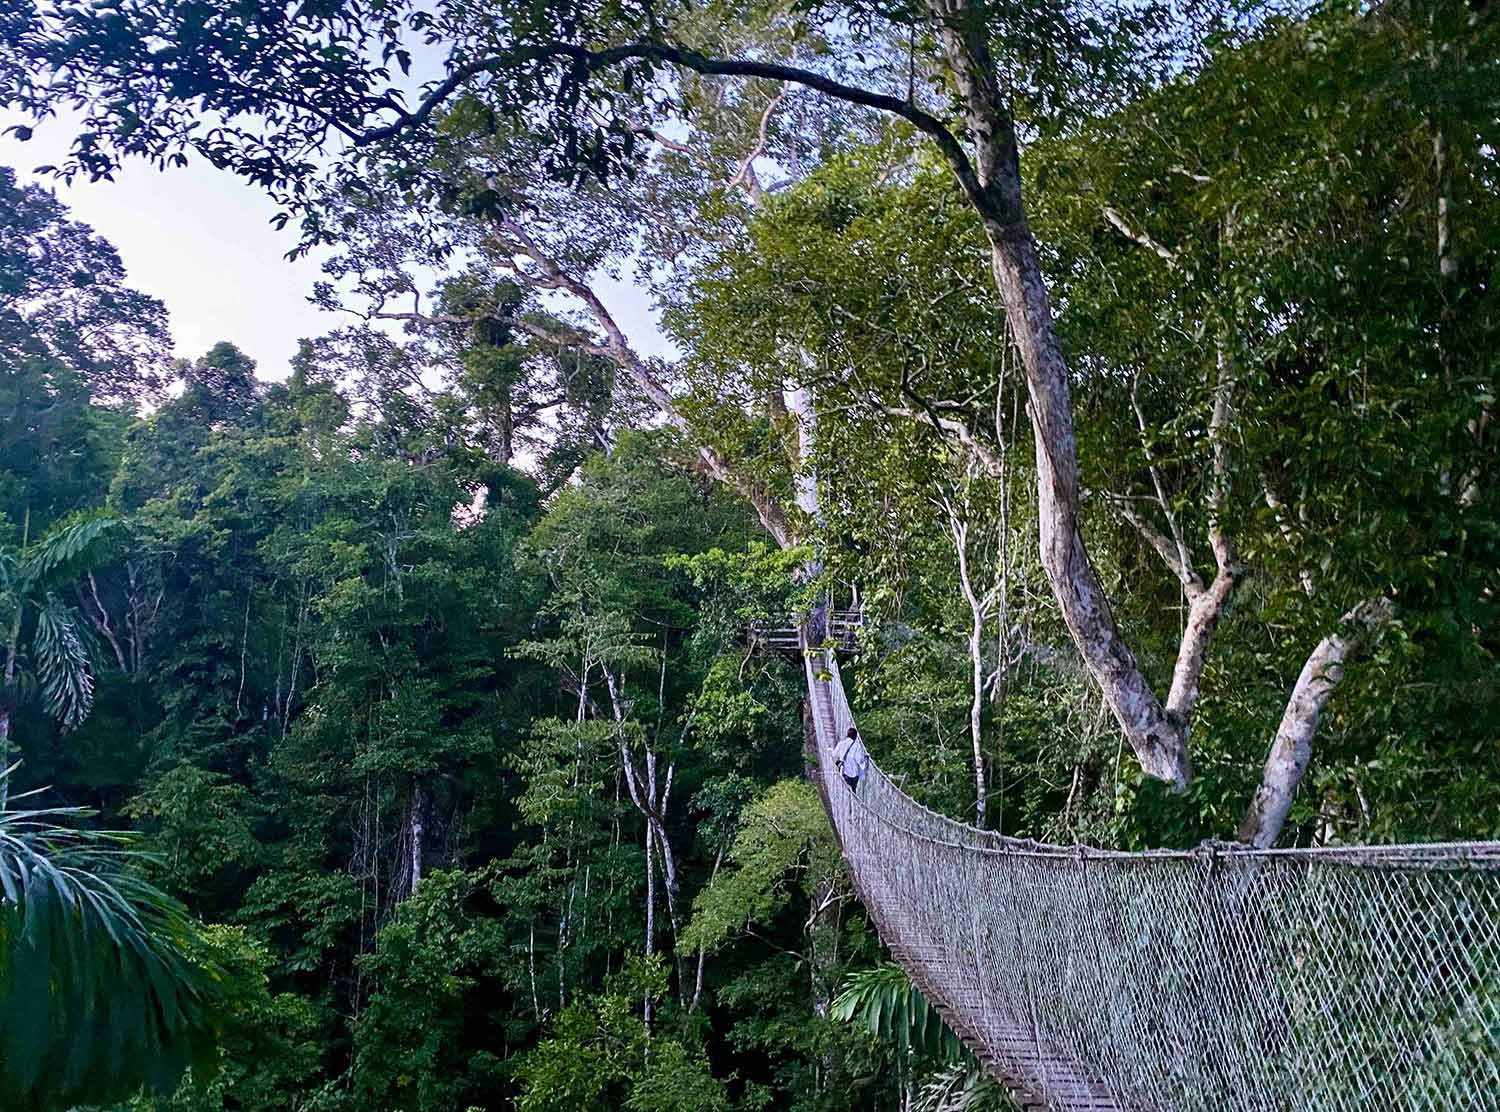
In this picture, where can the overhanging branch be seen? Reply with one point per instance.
(597, 60)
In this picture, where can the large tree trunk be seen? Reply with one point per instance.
(799, 405)
(1291, 749)
(1159, 742)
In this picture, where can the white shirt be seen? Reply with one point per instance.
(852, 756)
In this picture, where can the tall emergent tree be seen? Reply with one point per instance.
(601, 76)
(587, 91)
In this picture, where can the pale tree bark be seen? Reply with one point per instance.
(98, 614)
(416, 832)
(998, 683)
(1447, 261)
(1140, 236)
(651, 796)
(646, 1001)
(536, 1003)
(8, 680)
(990, 178)
(1306, 577)
(798, 401)
(980, 606)
(4, 750)
(1159, 742)
(703, 952)
(1470, 482)
(1291, 749)
(1323, 671)
(141, 612)
(745, 176)
(1206, 602)
(537, 269)
(822, 933)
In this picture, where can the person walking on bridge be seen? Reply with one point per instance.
(852, 759)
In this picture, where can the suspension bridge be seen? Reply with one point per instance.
(1222, 979)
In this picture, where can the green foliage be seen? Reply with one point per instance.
(69, 325)
(601, 1055)
(65, 547)
(62, 664)
(783, 850)
(564, 766)
(1283, 193)
(196, 825)
(310, 914)
(885, 1002)
(370, 692)
(36, 619)
(271, 1045)
(961, 1088)
(105, 984)
(424, 1041)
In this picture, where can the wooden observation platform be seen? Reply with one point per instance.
(843, 634)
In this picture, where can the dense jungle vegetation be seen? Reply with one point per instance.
(395, 728)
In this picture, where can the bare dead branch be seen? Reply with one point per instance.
(1140, 236)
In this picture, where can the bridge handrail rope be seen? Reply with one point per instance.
(1216, 978)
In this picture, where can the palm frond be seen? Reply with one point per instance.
(961, 1087)
(891, 1008)
(102, 984)
(66, 548)
(62, 664)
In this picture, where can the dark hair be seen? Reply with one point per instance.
(853, 732)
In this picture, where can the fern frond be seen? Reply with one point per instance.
(961, 1088)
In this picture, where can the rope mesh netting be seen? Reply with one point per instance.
(1217, 979)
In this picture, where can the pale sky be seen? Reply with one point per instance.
(200, 240)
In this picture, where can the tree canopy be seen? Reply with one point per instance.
(1129, 369)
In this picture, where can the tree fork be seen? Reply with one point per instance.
(1158, 739)
(992, 183)
(1291, 748)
